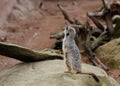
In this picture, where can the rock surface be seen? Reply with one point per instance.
(50, 73)
(110, 53)
(25, 8)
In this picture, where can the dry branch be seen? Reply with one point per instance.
(27, 55)
(67, 17)
(106, 4)
(106, 13)
(95, 20)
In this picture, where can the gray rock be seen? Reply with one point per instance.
(51, 73)
(25, 8)
(109, 53)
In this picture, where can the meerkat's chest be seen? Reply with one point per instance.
(70, 46)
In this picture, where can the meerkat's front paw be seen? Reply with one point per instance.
(78, 72)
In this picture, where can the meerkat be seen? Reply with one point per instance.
(71, 53)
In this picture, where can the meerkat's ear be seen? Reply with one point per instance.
(65, 27)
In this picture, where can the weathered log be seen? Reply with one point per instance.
(93, 16)
(117, 27)
(108, 11)
(27, 55)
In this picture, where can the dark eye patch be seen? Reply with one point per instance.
(67, 34)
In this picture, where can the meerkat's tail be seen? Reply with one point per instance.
(93, 75)
(96, 78)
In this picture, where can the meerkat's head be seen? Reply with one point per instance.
(69, 32)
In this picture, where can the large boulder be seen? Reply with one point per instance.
(109, 53)
(25, 8)
(51, 73)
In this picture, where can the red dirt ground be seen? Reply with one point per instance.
(34, 32)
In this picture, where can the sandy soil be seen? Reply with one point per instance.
(34, 32)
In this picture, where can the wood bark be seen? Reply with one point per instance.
(27, 55)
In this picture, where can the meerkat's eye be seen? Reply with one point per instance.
(67, 34)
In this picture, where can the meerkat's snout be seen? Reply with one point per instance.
(66, 32)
